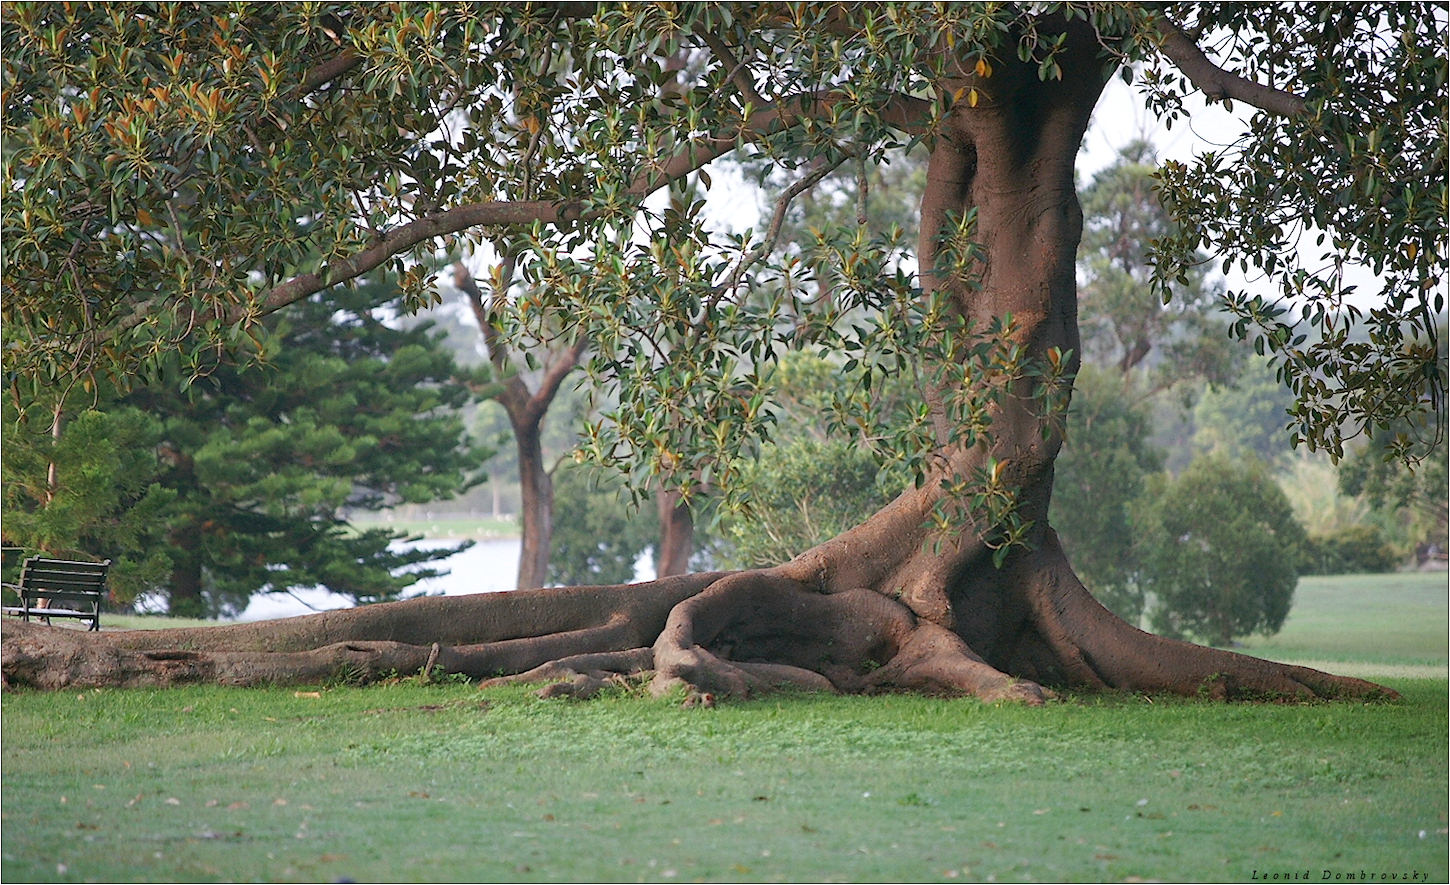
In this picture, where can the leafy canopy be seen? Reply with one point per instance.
(173, 172)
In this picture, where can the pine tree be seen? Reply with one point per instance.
(244, 473)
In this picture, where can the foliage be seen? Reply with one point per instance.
(107, 500)
(1124, 323)
(598, 536)
(1246, 415)
(811, 483)
(1219, 549)
(797, 494)
(1311, 483)
(1105, 462)
(1356, 159)
(1418, 497)
(1136, 349)
(1353, 549)
(232, 485)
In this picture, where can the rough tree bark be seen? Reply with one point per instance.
(886, 605)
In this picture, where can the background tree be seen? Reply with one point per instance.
(1136, 349)
(91, 494)
(1220, 550)
(1415, 501)
(1125, 323)
(1247, 415)
(550, 122)
(549, 361)
(823, 471)
(235, 482)
(1105, 465)
(599, 536)
(800, 493)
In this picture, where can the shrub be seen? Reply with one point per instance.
(801, 493)
(1352, 549)
(598, 534)
(1219, 549)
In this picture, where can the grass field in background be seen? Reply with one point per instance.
(413, 782)
(1368, 621)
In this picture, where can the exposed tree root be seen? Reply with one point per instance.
(1096, 648)
(582, 676)
(1014, 631)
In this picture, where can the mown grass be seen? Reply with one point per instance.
(429, 783)
(145, 622)
(1373, 619)
(412, 782)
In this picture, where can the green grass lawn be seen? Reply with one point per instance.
(411, 782)
(1379, 624)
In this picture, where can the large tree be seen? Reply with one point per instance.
(169, 170)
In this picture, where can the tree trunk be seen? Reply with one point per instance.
(890, 604)
(677, 535)
(52, 479)
(184, 593)
(184, 596)
(536, 504)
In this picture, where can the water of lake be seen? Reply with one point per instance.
(486, 567)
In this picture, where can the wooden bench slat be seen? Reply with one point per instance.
(64, 574)
(65, 583)
(42, 576)
(64, 595)
(76, 583)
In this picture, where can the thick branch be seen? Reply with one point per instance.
(491, 213)
(464, 281)
(328, 71)
(554, 376)
(1218, 83)
(738, 73)
(907, 113)
(404, 237)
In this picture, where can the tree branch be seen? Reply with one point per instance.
(907, 113)
(1217, 83)
(404, 237)
(500, 213)
(524, 405)
(735, 69)
(782, 205)
(328, 71)
(554, 375)
(463, 279)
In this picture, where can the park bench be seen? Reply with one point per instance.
(77, 587)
